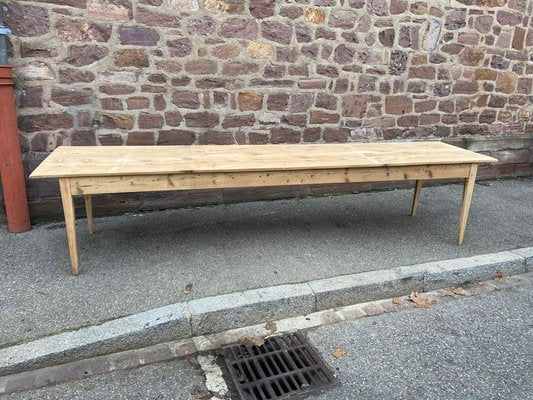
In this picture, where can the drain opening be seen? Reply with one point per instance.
(284, 366)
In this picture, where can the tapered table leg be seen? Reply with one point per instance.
(468, 190)
(70, 222)
(416, 196)
(89, 212)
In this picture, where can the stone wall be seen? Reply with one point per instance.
(145, 72)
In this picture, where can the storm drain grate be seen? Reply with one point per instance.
(284, 366)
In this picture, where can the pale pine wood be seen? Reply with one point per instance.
(75, 161)
(92, 170)
(468, 191)
(142, 183)
(70, 222)
(416, 196)
(89, 212)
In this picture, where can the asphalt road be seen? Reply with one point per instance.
(138, 262)
(472, 348)
(465, 348)
(172, 380)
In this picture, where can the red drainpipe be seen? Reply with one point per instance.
(11, 170)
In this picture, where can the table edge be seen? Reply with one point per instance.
(231, 171)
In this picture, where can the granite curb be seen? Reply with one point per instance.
(229, 311)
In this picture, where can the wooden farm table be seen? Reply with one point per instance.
(118, 169)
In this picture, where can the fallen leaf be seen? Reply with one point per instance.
(220, 352)
(398, 301)
(498, 276)
(221, 396)
(252, 340)
(446, 292)
(202, 395)
(188, 289)
(271, 326)
(422, 300)
(338, 353)
(462, 292)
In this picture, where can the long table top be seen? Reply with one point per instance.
(76, 161)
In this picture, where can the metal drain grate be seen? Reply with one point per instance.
(283, 367)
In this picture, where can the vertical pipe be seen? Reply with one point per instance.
(11, 169)
(3, 33)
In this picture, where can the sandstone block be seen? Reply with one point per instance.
(398, 105)
(186, 99)
(150, 121)
(131, 58)
(202, 119)
(315, 15)
(262, 8)
(321, 117)
(80, 56)
(202, 26)
(35, 70)
(138, 36)
(250, 101)
(241, 28)
(71, 97)
(25, 20)
(179, 47)
(260, 50)
(276, 32)
(111, 10)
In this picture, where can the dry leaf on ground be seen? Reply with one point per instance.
(498, 276)
(398, 301)
(446, 292)
(422, 300)
(271, 326)
(252, 340)
(462, 292)
(188, 289)
(202, 395)
(338, 353)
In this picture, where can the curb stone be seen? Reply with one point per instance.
(527, 253)
(220, 313)
(134, 331)
(344, 290)
(441, 274)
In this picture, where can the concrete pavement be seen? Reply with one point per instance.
(135, 263)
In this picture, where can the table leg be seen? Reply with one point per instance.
(468, 190)
(416, 196)
(70, 222)
(89, 211)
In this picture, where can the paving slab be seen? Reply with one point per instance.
(135, 263)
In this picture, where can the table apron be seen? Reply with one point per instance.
(191, 181)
